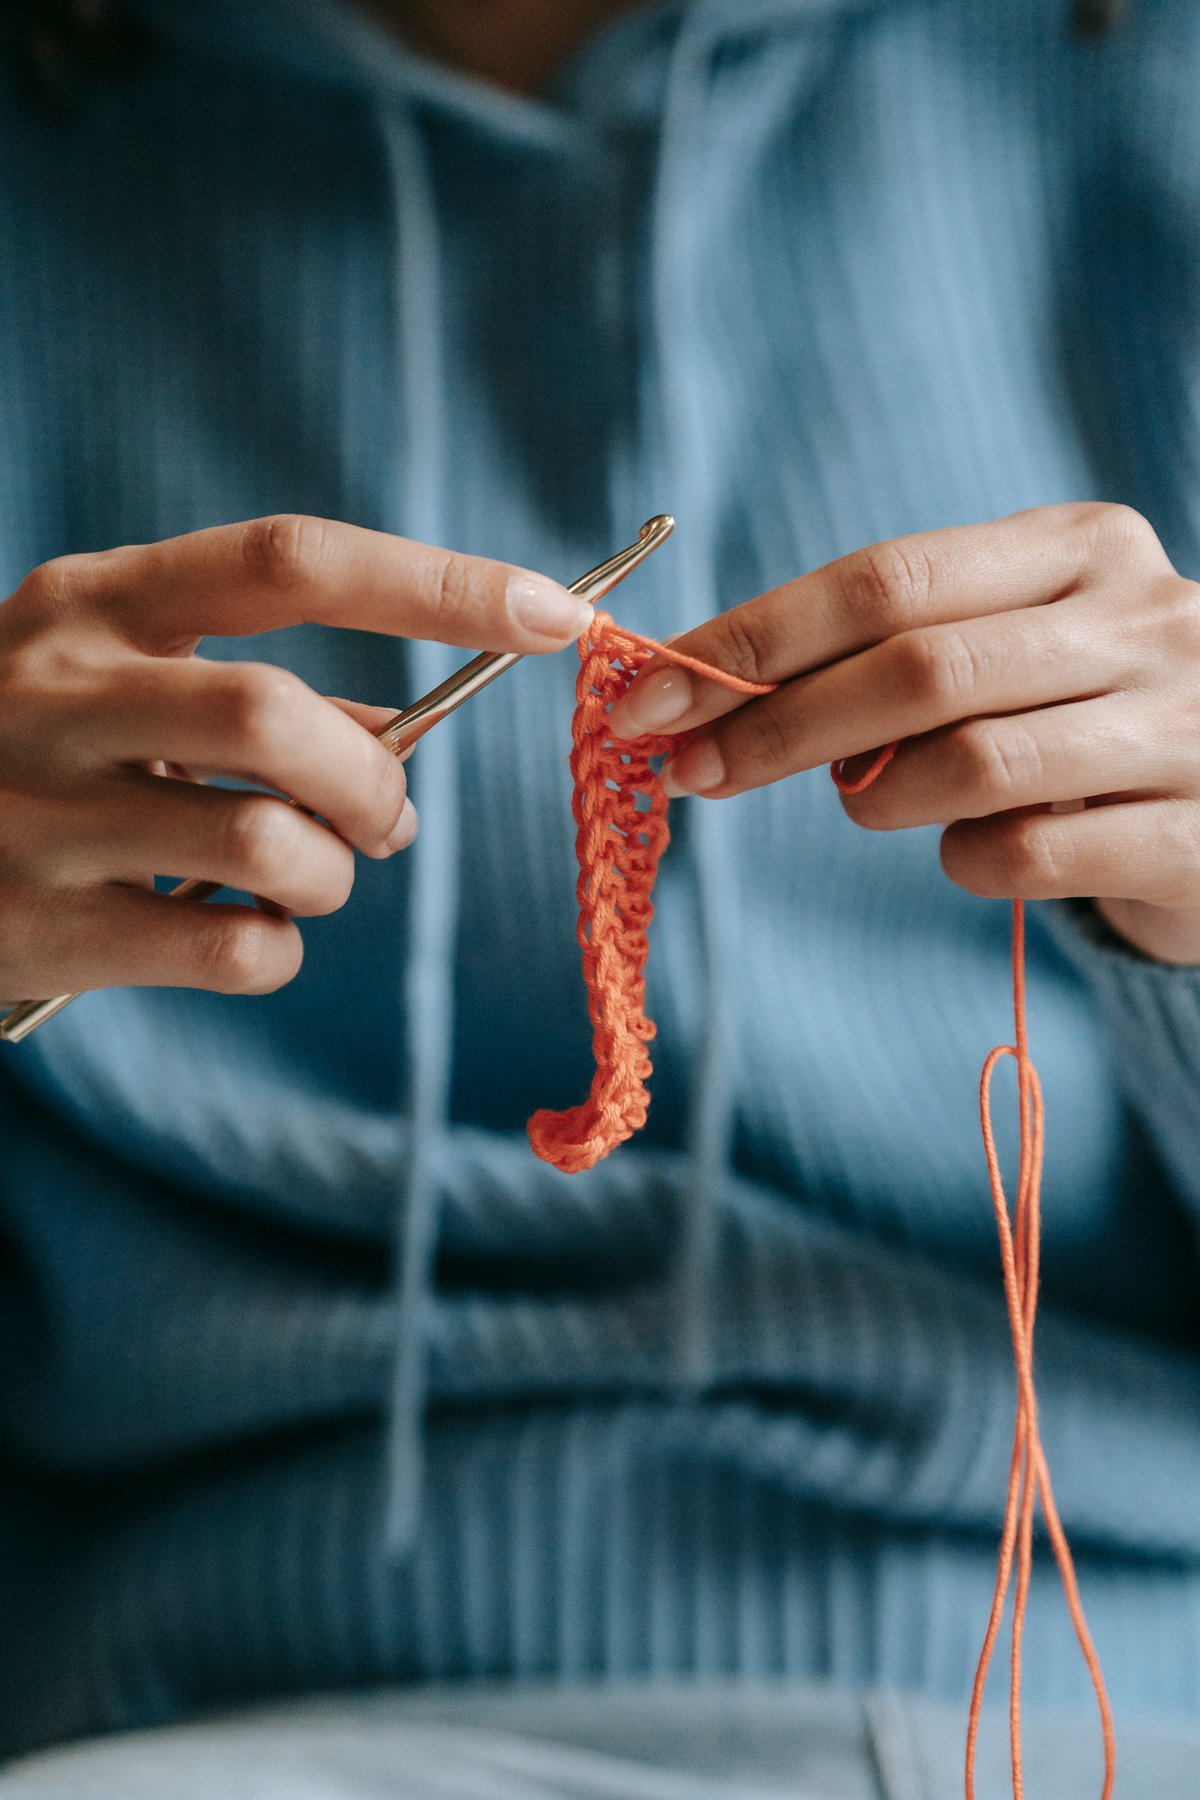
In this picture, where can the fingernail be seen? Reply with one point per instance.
(696, 770)
(405, 829)
(545, 609)
(652, 704)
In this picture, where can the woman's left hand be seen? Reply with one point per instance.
(1043, 675)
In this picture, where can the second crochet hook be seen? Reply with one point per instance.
(400, 733)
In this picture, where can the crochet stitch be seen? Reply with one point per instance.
(618, 844)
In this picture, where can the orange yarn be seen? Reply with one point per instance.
(1029, 1474)
(618, 845)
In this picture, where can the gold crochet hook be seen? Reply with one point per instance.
(400, 733)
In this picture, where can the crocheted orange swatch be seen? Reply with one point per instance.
(621, 832)
(620, 813)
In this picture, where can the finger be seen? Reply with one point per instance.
(128, 937)
(1147, 850)
(905, 687)
(1077, 752)
(372, 719)
(936, 577)
(261, 724)
(251, 842)
(292, 569)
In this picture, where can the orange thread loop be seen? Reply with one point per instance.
(1029, 1473)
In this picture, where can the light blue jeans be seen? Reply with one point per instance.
(603, 1743)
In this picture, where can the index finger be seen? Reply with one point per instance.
(930, 578)
(290, 569)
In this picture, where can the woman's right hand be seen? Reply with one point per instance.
(107, 718)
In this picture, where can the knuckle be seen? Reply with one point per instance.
(254, 839)
(1113, 531)
(235, 956)
(258, 704)
(56, 587)
(286, 550)
(1037, 859)
(939, 668)
(743, 647)
(262, 853)
(998, 761)
(451, 584)
(894, 582)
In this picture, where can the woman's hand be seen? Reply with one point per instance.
(1043, 674)
(106, 716)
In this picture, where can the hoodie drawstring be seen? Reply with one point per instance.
(687, 434)
(429, 963)
(689, 456)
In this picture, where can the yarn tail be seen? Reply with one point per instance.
(1029, 1474)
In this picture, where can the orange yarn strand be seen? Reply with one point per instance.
(878, 764)
(618, 845)
(1029, 1473)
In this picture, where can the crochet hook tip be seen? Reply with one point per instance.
(660, 526)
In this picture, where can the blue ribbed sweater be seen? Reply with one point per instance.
(311, 1374)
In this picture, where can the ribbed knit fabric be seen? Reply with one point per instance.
(807, 273)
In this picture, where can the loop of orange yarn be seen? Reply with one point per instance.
(618, 844)
(872, 772)
(1029, 1473)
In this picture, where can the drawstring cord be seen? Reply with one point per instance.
(674, 280)
(677, 279)
(428, 983)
